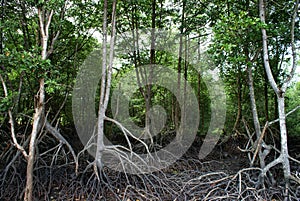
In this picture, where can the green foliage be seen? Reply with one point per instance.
(236, 40)
(293, 101)
(21, 62)
(6, 103)
(237, 44)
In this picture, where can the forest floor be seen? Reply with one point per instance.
(223, 175)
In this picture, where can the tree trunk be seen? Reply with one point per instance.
(184, 106)
(199, 89)
(283, 134)
(200, 104)
(266, 97)
(239, 103)
(37, 123)
(280, 92)
(101, 110)
(100, 137)
(105, 84)
(179, 69)
(254, 112)
(38, 118)
(148, 95)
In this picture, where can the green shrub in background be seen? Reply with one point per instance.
(293, 100)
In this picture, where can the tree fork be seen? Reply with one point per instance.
(280, 93)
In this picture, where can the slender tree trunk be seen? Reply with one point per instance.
(200, 101)
(150, 76)
(45, 18)
(179, 69)
(153, 26)
(38, 118)
(105, 84)
(254, 112)
(239, 99)
(184, 106)
(275, 106)
(37, 121)
(25, 26)
(280, 92)
(101, 110)
(142, 75)
(283, 134)
(253, 105)
(136, 61)
(266, 97)
(177, 107)
(100, 141)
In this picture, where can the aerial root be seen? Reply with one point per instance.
(187, 179)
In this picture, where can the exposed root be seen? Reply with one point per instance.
(187, 179)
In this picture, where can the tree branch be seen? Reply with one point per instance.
(11, 121)
(58, 136)
(41, 22)
(287, 114)
(294, 56)
(265, 48)
(111, 55)
(48, 22)
(259, 143)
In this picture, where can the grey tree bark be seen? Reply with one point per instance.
(105, 83)
(280, 92)
(179, 71)
(39, 120)
(254, 113)
(44, 24)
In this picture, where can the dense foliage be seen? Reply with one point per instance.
(201, 36)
